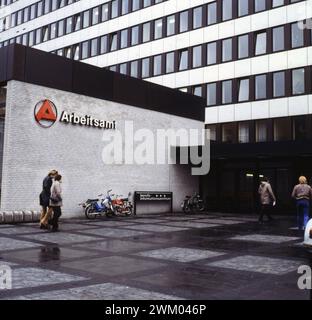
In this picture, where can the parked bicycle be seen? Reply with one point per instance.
(192, 204)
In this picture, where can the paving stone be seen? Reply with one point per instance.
(60, 238)
(115, 233)
(191, 224)
(105, 291)
(180, 254)
(265, 238)
(34, 277)
(259, 264)
(155, 228)
(12, 244)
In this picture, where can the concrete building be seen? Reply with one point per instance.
(63, 114)
(249, 59)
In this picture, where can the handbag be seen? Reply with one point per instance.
(56, 198)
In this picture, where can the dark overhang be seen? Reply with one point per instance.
(33, 66)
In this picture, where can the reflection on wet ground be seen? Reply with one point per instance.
(206, 256)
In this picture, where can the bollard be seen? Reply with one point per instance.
(8, 217)
(27, 216)
(18, 216)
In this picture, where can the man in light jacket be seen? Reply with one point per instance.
(267, 199)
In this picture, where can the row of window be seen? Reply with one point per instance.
(272, 85)
(156, 29)
(6, 2)
(280, 38)
(33, 11)
(109, 10)
(279, 129)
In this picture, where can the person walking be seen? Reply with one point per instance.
(56, 202)
(267, 199)
(302, 193)
(44, 199)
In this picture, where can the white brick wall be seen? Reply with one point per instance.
(30, 151)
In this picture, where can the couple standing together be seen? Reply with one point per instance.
(302, 193)
(51, 201)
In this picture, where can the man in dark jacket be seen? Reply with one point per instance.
(45, 199)
(267, 199)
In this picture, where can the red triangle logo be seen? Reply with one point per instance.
(46, 112)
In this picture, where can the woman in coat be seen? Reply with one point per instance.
(303, 194)
(56, 201)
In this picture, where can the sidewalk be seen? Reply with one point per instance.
(207, 256)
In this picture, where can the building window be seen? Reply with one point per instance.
(261, 131)
(297, 36)
(197, 56)
(197, 91)
(211, 94)
(123, 68)
(157, 65)
(212, 132)
(183, 60)
(158, 29)
(146, 68)
(123, 39)
(243, 7)
(134, 35)
(227, 10)
(184, 21)
(260, 85)
(300, 128)
(229, 133)
(261, 43)
(227, 50)
(260, 5)
(197, 17)
(105, 12)
(146, 32)
(243, 46)
(86, 19)
(298, 83)
(94, 47)
(171, 25)
(85, 50)
(103, 44)
(134, 69)
(115, 8)
(212, 13)
(211, 53)
(170, 62)
(113, 41)
(135, 5)
(124, 7)
(243, 132)
(243, 90)
(278, 39)
(227, 91)
(282, 129)
(95, 16)
(278, 84)
(277, 3)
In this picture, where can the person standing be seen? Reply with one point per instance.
(303, 194)
(267, 199)
(44, 199)
(56, 202)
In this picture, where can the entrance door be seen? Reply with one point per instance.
(247, 181)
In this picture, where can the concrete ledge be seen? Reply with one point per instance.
(18, 216)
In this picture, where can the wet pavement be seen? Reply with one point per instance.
(206, 256)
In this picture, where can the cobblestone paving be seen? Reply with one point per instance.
(164, 256)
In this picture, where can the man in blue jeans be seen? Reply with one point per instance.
(303, 194)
